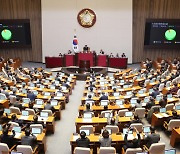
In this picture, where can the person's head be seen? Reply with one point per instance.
(13, 117)
(105, 107)
(27, 132)
(83, 135)
(85, 45)
(91, 89)
(152, 129)
(105, 134)
(35, 118)
(103, 93)
(5, 131)
(30, 105)
(114, 89)
(161, 103)
(112, 121)
(88, 106)
(174, 113)
(89, 96)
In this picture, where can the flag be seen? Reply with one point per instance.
(75, 44)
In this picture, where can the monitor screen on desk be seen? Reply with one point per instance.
(8, 111)
(177, 107)
(162, 110)
(39, 102)
(104, 102)
(133, 101)
(126, 86)
(170, 151)
(146, 129)
(59, 94)
(146, 99)
(108, 115)
(36, 130)
(128, 114)
(54, 102)
(47, 94)
(17, 129)
(125, 130)
(169, 96)
(119, 102)
(86, 131)
(87, 115)
(116, 94)
(0, 127)
(25, 113)
(44, 114)
(26, 100)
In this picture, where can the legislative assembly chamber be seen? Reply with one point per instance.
(89, 77)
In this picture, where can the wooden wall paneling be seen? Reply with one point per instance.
(143, 9)
(24, 9)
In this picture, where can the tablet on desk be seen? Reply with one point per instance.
(25, 113)
(146, 129)
(44, 114)
(170, 151)
(36, 131)
(162, 110)
(128, 114)
(8, 111)
(87, 115)
(54, 102)
(17, 129)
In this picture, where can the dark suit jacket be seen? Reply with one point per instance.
(83, 142)
(16, 104)
(8, 139)
(29, 140)
(31, 96)
(49, 107)
(103, 97)
(130, 144)
(155, 93)
(152, 138)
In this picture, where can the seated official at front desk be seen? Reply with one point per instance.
(130, 138)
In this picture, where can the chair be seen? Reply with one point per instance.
(161, 86)
(80, 150)
(12, 99)
(140, 112)
(31, 111)
(27, 149)
(88, 127)
(15, 110)
(107, 150)
(138, 126)
(172, 124)
(169, 107)
(103, 113)
(121, 113)
(133, 150)
(178, 93)
(114, 129)
(4, 149)
(48, 111)
(146, 82)
(155, 148)
(168, 83)
(13, 124)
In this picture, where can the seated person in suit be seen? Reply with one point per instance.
(8, 139)
(88, 108)
(29, 140)
(85, 48)
(18, 104)
(135, 143)
(152, 138)
(15, 119)
(112, 121)
(103, 97)
(31, 95)
(89, 98)
(174, 116)
(105, 140)
(174, 89)
(155, 92)
(150, 103)
(48, 106)
(135, 120)
(35, 121)
(83, 141)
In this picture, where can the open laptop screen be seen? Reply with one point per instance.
(162, 110)
(104, 102)
(17, 129)
(36, 131)
(87, 115)
(44, 114)
(128, 114)
(170, 151)
(146, 129)
(25, 113)
(54, 102)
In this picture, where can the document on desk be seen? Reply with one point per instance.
(164, 115)
(143, 104)
(24, 117)
(121, 106)
(159, 115)
(87, 120)
(75, 137)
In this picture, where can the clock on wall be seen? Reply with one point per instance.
(86, 18)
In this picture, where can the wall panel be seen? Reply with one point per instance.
(24, 9)
(143, 9)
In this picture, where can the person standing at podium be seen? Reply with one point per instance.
(85, 49)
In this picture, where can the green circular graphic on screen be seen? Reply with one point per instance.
(170, 34)
(6, 34)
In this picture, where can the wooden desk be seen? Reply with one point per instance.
(175, 136)
(5, 103)
(100, 123)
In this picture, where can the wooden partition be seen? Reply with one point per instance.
(24, 9)
(143, 9)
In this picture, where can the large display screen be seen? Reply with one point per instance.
(15, 33)
(162, 33)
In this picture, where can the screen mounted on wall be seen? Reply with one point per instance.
(162, 33)
(15, 33)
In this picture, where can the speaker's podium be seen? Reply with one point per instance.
(81, 56)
